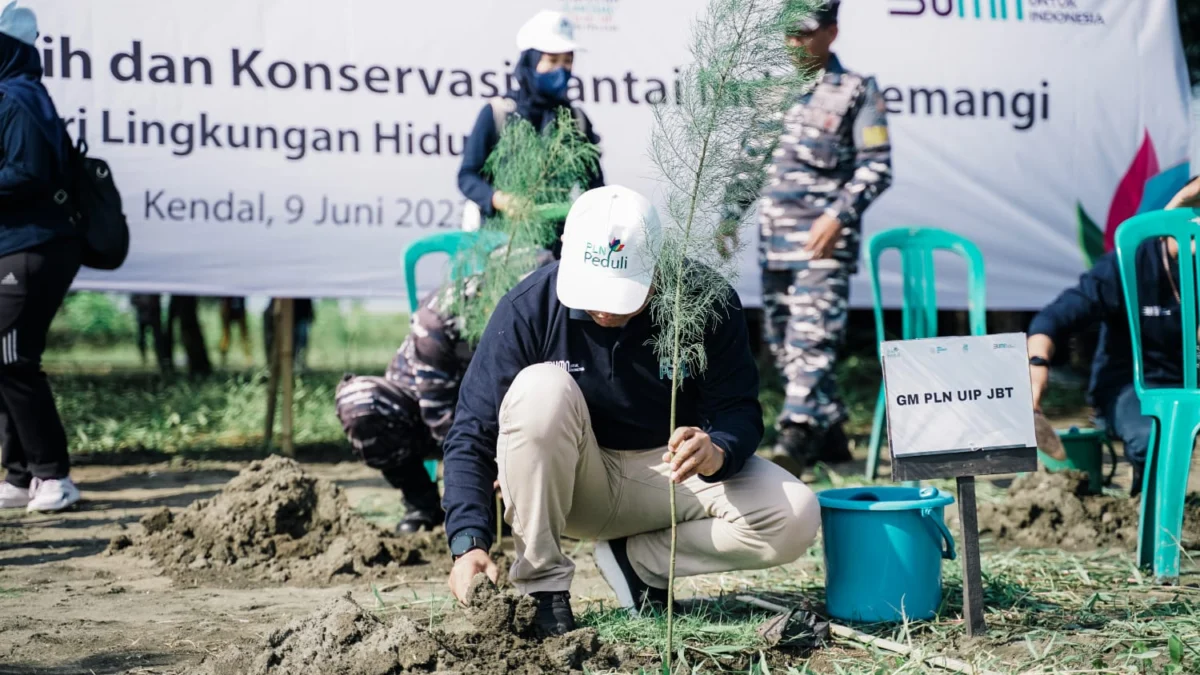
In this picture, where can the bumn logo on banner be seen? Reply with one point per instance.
(1043, 11)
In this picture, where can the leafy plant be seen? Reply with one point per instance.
(542, 170)
(731, 97)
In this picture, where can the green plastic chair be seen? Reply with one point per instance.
(1176, 410)
(449, 243)
(916, 247)
(446, 242)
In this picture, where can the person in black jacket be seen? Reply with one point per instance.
(543, 74)
(39, 257)
(1099, 298)
(567, 403)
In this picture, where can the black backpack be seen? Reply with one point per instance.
(93, 205)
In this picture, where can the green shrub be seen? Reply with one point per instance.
(93, 319)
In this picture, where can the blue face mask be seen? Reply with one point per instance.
(554, 83)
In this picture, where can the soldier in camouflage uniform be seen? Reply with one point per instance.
(832, 161)
(397, 421)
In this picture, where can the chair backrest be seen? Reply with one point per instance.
(449, 243)
(1179, 224)
(916, 247)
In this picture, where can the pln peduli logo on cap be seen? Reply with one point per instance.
(607, 262)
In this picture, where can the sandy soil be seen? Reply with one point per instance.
(66, 607)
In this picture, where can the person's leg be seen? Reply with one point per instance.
(226, 331)
(816, 328)
(554, 477)
(12, 301)
(760, 518)
(191, 335)
(385, 429)
(1126, 422)
(47, 273)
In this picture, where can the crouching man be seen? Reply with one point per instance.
(568, 402)
(397, 421)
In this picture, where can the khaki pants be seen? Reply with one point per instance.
(558, 481)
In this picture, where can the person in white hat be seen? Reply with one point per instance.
(568, 404)
(39, 257)
(543, 74)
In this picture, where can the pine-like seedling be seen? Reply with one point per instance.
(731, 99)
(543, 171)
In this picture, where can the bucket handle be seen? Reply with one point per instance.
(942, 532)
(1112, 452)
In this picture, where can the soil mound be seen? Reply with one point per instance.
(274, 522)
(344, 639)
(1054, 510)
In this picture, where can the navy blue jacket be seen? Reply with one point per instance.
(1099, 298)
(33, 145)
(628, 391)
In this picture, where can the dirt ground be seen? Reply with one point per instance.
(67, 606)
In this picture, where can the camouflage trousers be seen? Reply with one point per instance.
(805, 317)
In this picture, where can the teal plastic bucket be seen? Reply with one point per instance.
(884, 548)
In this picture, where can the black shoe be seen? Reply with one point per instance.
(1139, 473)
(835, 447)
(794, 447)
(420, 520)
(554, 616)
(632, 593)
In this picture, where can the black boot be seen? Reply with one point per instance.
(554, 616)
(422, 504)
(835, 447)
(795, 447)
(1139, 473)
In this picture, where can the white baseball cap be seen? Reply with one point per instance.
(607, 260)
(19, 23)
(548, 32)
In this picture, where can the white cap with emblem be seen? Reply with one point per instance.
(548, 32)
(607, 261)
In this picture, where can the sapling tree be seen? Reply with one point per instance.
(542, 171)
(730, 99)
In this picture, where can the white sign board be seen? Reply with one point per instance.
(297, 148)
(958, 394)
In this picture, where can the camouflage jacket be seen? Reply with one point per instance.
(433, 358)
(431, 362)
(834, 157)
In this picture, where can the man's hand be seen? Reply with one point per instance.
(502, 202)
(465, 569)
(1188, 197)
(1039, 377)
(690, 451)
(728, 239)
(823, 237)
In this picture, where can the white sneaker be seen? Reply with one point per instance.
(12, 497)
(52, 495)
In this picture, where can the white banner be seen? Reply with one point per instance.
(295, 148)
(958, 394)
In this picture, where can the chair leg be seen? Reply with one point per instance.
(876, 436)
(1147, 516)
(1174, 461)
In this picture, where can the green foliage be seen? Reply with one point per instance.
(541, 170)
(731, 99)
(731, 102)
(93, 319)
